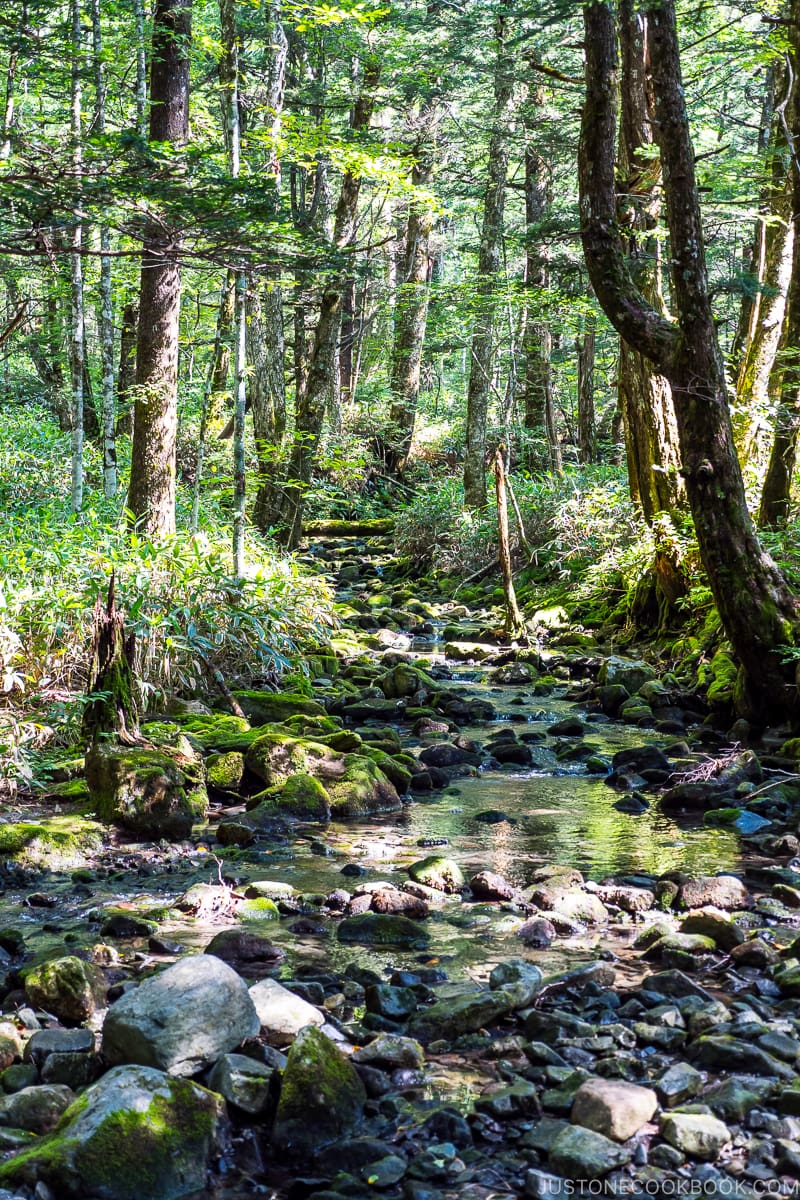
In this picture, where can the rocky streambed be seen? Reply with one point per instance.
(458, 920)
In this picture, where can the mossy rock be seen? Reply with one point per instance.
(266, 708)
(220, 731)
(722, 816)
(403, 681)
(68, 987)
(724, 672)
(438, 872)
(62, 843)
(259, 908)
(137, 1134)
(152, 793)
(322, 1097)
(382, 929)
(276, 755)
(362, 789)
(301, 796)
(317, 728)
(395, 771)
(74, 791)
(345, 741)
(225, 770)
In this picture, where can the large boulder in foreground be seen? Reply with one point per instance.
(137, 1134)
(154, 793)
(616, 1109)
(183, 1019)
(322, 1097)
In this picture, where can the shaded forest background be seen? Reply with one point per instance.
(265, 264)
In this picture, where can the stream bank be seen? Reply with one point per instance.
(516, 908)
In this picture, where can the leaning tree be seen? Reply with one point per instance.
(760, 615)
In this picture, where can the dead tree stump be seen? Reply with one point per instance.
(111, 712)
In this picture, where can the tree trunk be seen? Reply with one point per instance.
(310, 404)
(776, 494)
(758, 612)
(77, 335)
(151, 493)
(489, 265)
(587, 432)
(265, 352)
(126, 371)
(106, 316)
(759, 373)
(515, 622)
(411, 307)
(111, 711)
(645, 397)
(542, 450)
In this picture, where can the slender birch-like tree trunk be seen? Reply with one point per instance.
(77, 338)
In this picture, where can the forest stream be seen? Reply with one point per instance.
(573, 867)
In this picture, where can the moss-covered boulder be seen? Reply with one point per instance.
(219, 731)
(382, 929)
(628, 673)
(266, 708)
(276, 755)
(68, 987)
(301, 796)
(322, 1097)
(438, 872)
(404, 680)
(395, 771)
(62, 843)
(137, 1134)
(361, 790)
(225, 770)
(153, 793)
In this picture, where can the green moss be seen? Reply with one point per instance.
(276, 755)
(133, 1154)
(220, 731)
(301, 796)
(361, 789)
(264, 708)
(225, 770)
(724, 672)
(394, 771)
(322, 1097)
(722, 816)
(259, 909)
(58, 843)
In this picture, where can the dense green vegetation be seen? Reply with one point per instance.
(365, 230)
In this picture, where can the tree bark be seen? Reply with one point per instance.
(543, 451)
(489, 265)
(151, 492)
(515, 622)
(77, 333)
(759, 373)
(587, 432)
(758, 612)
(645, 396)
(106, 316)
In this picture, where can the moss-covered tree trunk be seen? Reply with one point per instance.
(757, 609)
(515, 622)
(587, 432)
(110, 712)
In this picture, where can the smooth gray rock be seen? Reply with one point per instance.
(281, 1013)
(581, 1153)
(183, 1019)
